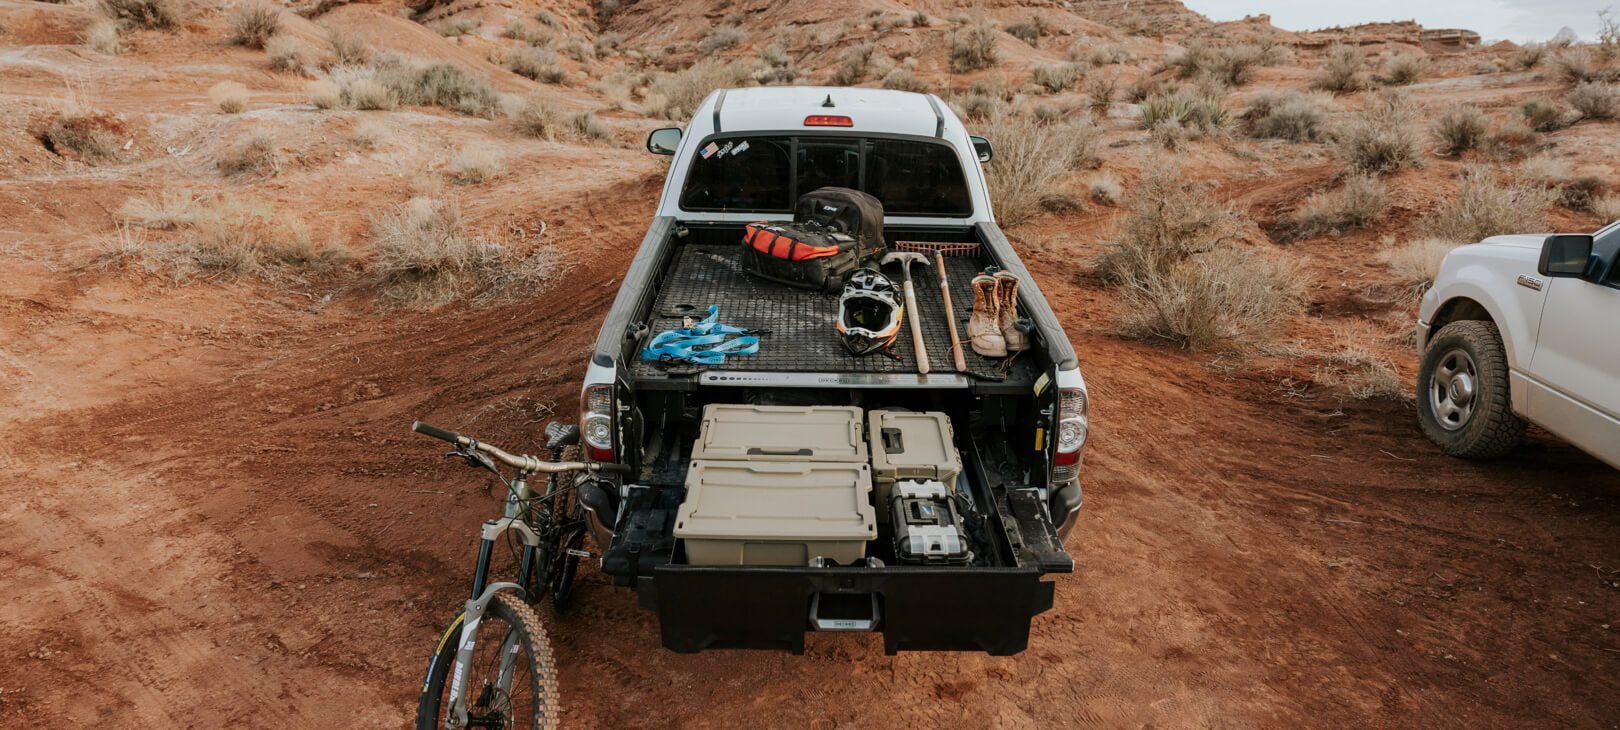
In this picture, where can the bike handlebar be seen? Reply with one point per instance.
(520, 462)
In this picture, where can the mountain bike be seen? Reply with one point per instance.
(492, 667)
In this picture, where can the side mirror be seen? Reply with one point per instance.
(1565, 254)
(982, 147)
(664, 141)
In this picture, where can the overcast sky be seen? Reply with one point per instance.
(1515, 20)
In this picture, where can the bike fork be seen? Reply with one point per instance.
(474, 614)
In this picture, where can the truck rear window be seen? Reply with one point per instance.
(767, 174)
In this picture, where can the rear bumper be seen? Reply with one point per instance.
(916, 608)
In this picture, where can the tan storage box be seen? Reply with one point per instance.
(776, 513)
(910, 445)
(780, 433)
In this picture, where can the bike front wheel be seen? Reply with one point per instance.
(511, 680)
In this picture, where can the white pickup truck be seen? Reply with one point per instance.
(1523, 328)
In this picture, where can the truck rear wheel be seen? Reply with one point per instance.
(1462, 392)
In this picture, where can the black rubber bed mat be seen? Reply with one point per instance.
(801, 323)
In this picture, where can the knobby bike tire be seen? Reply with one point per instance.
(542, 670)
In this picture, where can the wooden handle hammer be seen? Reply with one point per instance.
(905, 258)
(950, 313)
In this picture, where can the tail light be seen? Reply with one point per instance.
(1071, 434)
(596, 422)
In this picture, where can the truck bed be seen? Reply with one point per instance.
(802, 336)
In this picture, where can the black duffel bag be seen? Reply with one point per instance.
(834, 231)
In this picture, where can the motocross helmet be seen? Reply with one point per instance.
(869, 312)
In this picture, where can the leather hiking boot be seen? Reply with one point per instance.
(1007, 311)
(984, 328)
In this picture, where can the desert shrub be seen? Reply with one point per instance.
(1405, 69)
(102, 36)
(1380, 139)
(453, 27)
(171, 210)
(516, 30)
(1484, 207)
(1547, 171)
(1231, 65)
(1170, 219)
(1417, 262)
(426, 255)
(536, 118)
(1199, 111)
(1607, 208)
(158, 14)
(1101, 88)
(231, 97)
(588, 127)
(348, 49)
(1170, 134)
(369, 134)
(675, 95)
(1582, 192)
(903, 79)
(540, 65)
(254, 23)
(1595, 100)
(973, 46)
(1528, 56)
(94, 138)
(1031, 162)
(1576, 66)
(1460, 128)
(285, 54)
(443, 84)
(1224, 294)
(547, 19)
(1104, 188)
(243, 238)
(474, 165)
(1364, 374)
(255, 156)
(1104, 55)
(1343, 72)
(369, 95)
(1361, 201)
(1026, 32)
(1145, 86)
(324, 94)
(1287, 115)
(852, 64)
(1544, 116)
(720, 39)
(1058, 77)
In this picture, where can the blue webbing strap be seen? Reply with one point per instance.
(708, 334)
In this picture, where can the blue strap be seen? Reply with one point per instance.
(703, 343)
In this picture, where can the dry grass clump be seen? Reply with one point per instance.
(1484, 207)
(231, 97)
(94, 138)
(852, 64)
(348, 49)
(254, 23)
(1103, 189)
(1057, 78)
(474, 165)
(171, 210)
(541, 65)
(1170, 220)
(1032, 160)
(1380, 140)
(324, 94)
(590, 129)
(285, 54)
(675, 95)
(232, 237)
(1344, 71)
(444, 84)
(1364, 374)
(1224, 294)
(370, 134)
(102, 36)
(904, 79)
(368, 95)
(1360, 202)
(775, 66)
(1103, 55)
(1101, 89)
(157, 14)
(426, 255)
(1544, 116)
(1460, 128)
(973, 46)
(1607, 208)
(455, 27)
(1027, 32)
(720, 39)
(1230, 65)
(1198, 110)
(1405, 69)
(1577, 66)
(1528, 56)
(1288, 115)
(1595, 100)
(256, 156)
(535, 117)
(1417, 262)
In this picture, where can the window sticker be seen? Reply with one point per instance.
(741, 148)
(710, 150)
